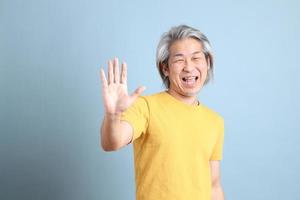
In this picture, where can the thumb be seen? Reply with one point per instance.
(137, 92)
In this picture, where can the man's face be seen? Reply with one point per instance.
(187, 67)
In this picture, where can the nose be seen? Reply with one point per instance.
(188, 67)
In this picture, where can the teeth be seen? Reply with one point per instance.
(189, 78)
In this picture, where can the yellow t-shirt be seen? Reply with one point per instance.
(173, 144)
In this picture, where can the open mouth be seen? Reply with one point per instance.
(189, 81)
(190, 78)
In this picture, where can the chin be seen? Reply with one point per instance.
(192, 91)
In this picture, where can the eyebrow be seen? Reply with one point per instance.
(180, 54)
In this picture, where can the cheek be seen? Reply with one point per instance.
(204, 71)
(203, 67)
(203, 64)
(175, 70)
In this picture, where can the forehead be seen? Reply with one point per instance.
(185, 46)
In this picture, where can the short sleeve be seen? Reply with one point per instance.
(137, 115)
(217, 153)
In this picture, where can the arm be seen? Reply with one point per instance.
(116, 133)
(217, 190)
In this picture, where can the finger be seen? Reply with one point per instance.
(137, 92)
(110, 72)
(103, 78)
(124, 73)
(116, 70)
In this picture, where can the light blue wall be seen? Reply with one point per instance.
(51, 106)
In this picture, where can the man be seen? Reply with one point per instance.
(177, 140)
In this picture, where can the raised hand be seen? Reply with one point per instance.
(114, 90)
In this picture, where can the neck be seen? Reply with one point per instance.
(191, 100)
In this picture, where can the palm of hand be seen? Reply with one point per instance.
(114, 91)
(116, 98)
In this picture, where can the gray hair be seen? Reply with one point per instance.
(179, 33)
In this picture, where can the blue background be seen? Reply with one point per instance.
(51, 104)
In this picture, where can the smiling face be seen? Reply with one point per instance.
(187, 68)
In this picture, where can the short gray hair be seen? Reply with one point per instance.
(178, 33)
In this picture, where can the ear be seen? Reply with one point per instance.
(165, 69)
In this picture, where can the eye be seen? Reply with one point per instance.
(197, 58)
(179, 60)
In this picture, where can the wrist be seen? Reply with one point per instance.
(116, 115)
